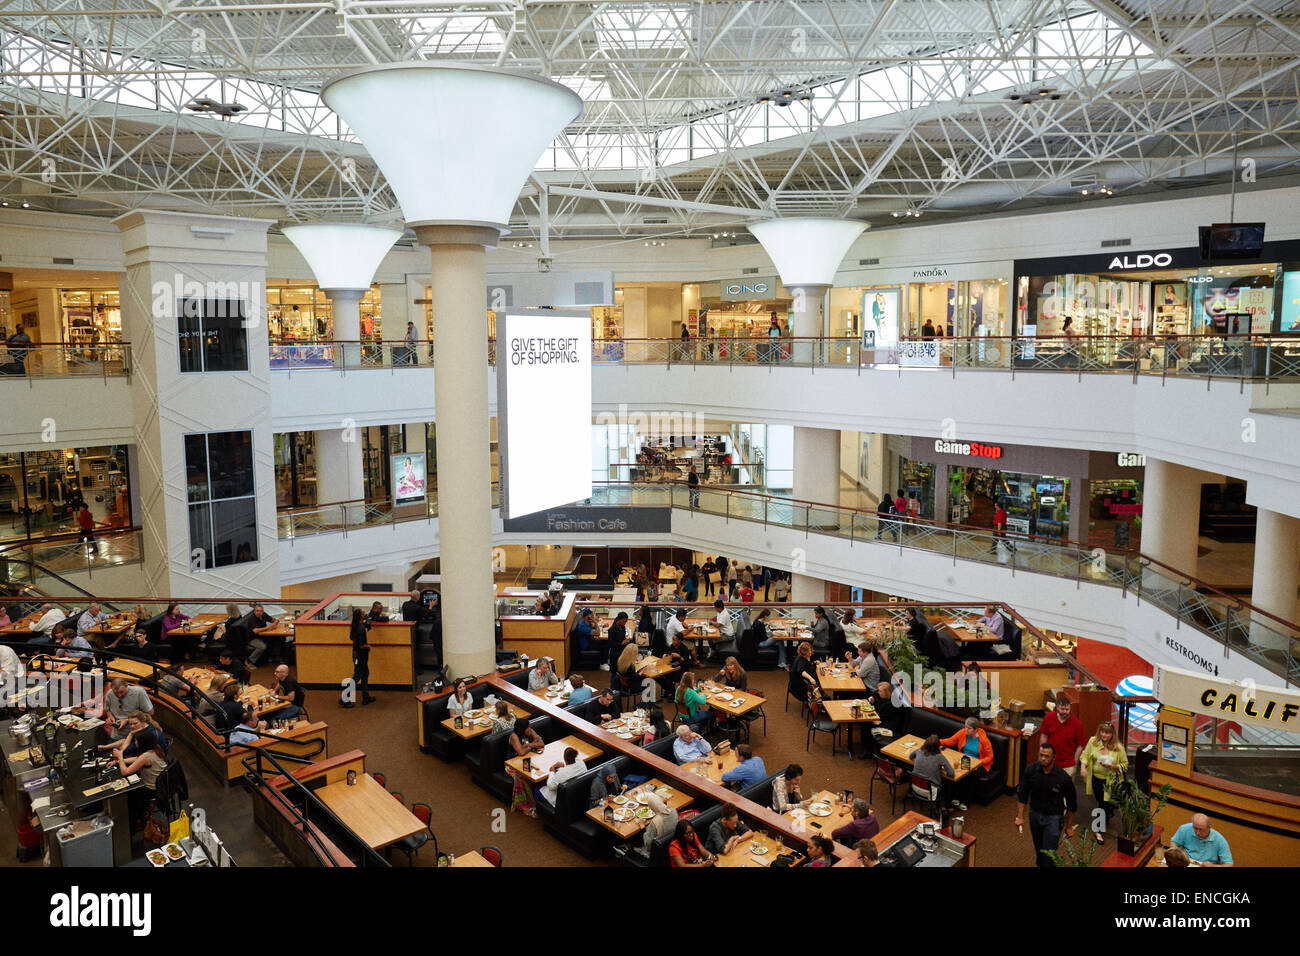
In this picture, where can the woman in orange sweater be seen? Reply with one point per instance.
(971, 741)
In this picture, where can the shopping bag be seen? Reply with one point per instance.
(180, 827)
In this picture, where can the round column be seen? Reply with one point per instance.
(806, 321)
(1276, 577)
(806, 590)
(1171, 514)
(345, 305)
(816, 472)
(460, 363)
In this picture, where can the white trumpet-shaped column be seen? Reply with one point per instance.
(457, 184)
(344, 257)
(806, 253)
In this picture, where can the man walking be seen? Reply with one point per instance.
(1049, 792)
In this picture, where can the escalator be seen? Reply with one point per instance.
(26, 584)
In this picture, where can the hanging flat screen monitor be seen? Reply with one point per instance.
(1232, 240)
(543, 410)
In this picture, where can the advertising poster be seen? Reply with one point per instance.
(1290, 303)
(408, 473)
(880, 311)
(543, 410)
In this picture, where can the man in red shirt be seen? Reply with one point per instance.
(900, 508)
(86, 522)
(1066, 734)
(999, 527)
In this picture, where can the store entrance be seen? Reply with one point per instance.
(1037, 505)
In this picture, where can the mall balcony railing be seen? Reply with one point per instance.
(1264, 638)
(1241, 357)
(64, 360)
(39, 565)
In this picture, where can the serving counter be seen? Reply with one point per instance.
(539, 636)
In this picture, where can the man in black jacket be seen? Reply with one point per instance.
(1049, 791)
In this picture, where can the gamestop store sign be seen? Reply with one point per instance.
(543, 404)
(973, 449)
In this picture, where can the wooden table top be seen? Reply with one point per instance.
(841, 813)
(903, 748)
(841, 712)
(555, 692)
(710, 767)
(844, 680)
(552, 754)
(138, 669)
(789, 631)
(742, 854)
(472, 858)
(199, 624)
(115, 625)
(625, 830)
(282, 627)
(478, 730)
(966, 635)
(370, 811)
(255, 694)
(20, 627)
(654, 667)
(726, 700)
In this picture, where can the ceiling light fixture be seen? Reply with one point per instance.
(1034, 96)
(204, 104)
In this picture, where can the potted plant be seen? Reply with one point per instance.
(1077, 852)
(1136, 813)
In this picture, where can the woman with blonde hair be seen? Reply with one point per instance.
(733, 675)
(1103, 763)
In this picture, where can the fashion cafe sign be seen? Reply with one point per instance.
(973, 449)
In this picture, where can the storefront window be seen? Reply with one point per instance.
(1115, 513)
(40, 491)
(917, 477)
(1036, 504)
(303, 313)
(295, 469)
(91, 319)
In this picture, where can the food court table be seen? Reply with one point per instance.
(726, 700)
(824, 815)
(965, 632)
(789, 630)
(743, 853)
(708, 766)
(140, 670)
(370, 811)
(553, 753)
(257, 695)
(652, 668)
(558, 694)
(629, 821)
(904, 747)
(472, 858)
(481, 723)
(198, 625)
(839, 679)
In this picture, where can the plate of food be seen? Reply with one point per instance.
(644, 813)
(758, 849)
(627, 736)
(631, 805)
(622, 816)
(819, 809)
(723, 696)
(737, 703)
(173, 851)
(620, 800)
(156, 857)
(471, 713)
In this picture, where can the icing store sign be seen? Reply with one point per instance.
(750, 287)
(973, 449)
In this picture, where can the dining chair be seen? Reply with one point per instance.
(818, 723)
(923, 791)
(491, 854)
(891, 774)
(400, 798)
(412, 844)
(380, 779)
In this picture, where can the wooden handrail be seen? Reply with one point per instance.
(665, 769)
